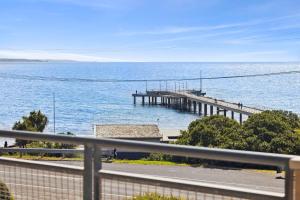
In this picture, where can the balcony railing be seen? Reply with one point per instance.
(42, 180)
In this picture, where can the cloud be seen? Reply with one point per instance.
(95, 4)
(176, 30)
(44, 55)
(188, 29)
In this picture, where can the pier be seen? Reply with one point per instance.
(195, 102)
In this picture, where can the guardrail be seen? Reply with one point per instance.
(100, 184)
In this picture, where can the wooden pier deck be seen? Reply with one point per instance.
(195, 102)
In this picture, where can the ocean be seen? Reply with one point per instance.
(81, 104)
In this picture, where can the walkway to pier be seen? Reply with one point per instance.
(195, 102)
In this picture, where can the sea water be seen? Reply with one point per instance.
(81, 104)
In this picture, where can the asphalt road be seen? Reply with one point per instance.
(36, 184)
(253, 179)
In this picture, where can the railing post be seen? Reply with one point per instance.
(295, 182)
(88, 173)
(97, 167)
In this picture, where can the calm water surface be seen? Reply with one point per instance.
(79, 105)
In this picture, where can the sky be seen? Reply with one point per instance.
(151, 30)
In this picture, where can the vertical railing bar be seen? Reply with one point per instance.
(88, 173)
(288, 190)
(97, 167)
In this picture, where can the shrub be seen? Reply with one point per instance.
(155, 196)
(159, 157)
(53, 145)
(4, 192)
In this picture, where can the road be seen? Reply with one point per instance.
(49, 185)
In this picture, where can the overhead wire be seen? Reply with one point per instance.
(67, 79)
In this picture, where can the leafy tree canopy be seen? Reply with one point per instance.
(36, 121)
(273, 131)
(269, 131)
(214, 131)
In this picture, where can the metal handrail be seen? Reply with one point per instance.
(191, 185)
(41, 150)
(42, 165)
(239, 156)
(93, 147)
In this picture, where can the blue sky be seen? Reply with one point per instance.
(151, 30)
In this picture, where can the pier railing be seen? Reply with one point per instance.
(43, 180)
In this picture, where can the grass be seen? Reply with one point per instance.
(297, 131)
(264, 171)
(149, 162)
(53, 158)
(154, 196)
(43, 158)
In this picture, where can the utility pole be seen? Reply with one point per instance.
(166, 85)
(146, 86)
(159, 85)
(200, 81)
(175, 86)
(54, 112)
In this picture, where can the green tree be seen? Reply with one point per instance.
(289, 117)
(269, 131)
(214, 131)
(36, 121)
(272, 131)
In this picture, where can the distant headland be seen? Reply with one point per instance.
(20, 60)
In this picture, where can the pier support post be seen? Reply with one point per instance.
(225, 113)
(143, 100)
(180, 103)
(169, 102)
(205, 109)
(188, 106)
(149, 100)
(232, 115)
(184, 104)
(200, 108)
(155, 100)
(218, 111)
(211, 110)
(195, 106)
(241, 118)
(134, 100)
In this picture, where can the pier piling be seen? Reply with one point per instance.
(205, 109)
(200, 108)
(211, 109)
